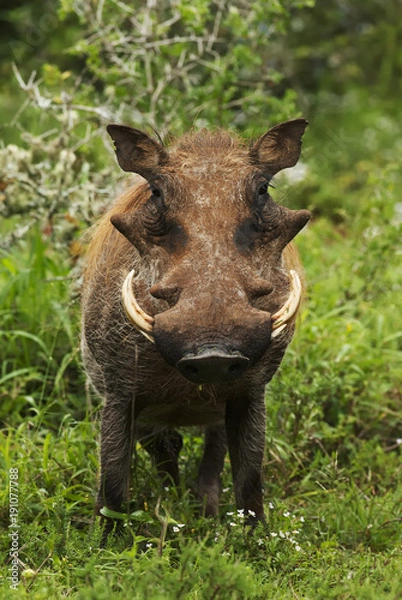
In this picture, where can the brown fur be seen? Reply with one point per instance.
(103, 234)
(211, 275)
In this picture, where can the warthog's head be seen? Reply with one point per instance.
(213, 239)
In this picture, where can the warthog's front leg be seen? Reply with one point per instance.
(245, 429)
(117, 437)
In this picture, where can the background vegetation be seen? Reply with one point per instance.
(333, 469)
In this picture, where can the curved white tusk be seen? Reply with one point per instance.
(144, 322)
(281, 318)
(139, 318)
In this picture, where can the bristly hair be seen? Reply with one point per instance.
(158, 136)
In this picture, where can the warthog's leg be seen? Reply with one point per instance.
(164, 447)
(209, 481)
(245, 428)
(117, 436)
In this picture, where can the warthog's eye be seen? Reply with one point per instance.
(262, 194)
(264, 207)
(256, 227)
(155, 216)
(162, 228)
(261, 197)
(263, 190)
(156, 192)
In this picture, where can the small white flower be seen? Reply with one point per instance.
(148, 545)
(176, 529)
(226, 489)
(270, 505)
(230, 514)
(67, 157)
(282, 535)
(301, 519)
(233, 524)
(286, 514)
(44, 102)
(297, 548)
(252, 513)
(240, 512)
(274, 534)
(260, 542)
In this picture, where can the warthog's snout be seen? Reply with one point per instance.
(213, 365)
(214, 346)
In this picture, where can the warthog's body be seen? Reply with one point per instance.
(212, 264)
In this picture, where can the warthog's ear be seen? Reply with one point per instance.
(136, 151)
(280, 147)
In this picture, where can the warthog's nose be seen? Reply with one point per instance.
(212, 365)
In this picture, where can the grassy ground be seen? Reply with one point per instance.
(333, 471)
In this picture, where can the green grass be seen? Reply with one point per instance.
(38, 331)
(333, 474)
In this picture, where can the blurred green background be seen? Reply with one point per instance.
(335, 408)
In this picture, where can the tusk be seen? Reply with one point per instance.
(139, 318)
(282, 317)
(144, 322)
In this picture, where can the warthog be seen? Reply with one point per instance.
(191, 289)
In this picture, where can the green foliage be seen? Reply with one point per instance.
(339, 45)
(175, 65)
(38, 330)
(164, 65)
(332, 472)
(335, 538)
